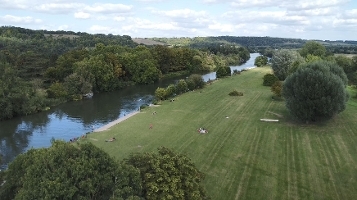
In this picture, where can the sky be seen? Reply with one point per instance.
(306, 19)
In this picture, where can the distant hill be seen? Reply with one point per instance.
(147, 41)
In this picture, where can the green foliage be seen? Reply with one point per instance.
(283, 61)
(261, 61)
(65, 171)
(57, 90)
(269, 79)
(160, 93)
(235, 93)
(196, 80)
(316, 91)
(170, 91)
(167, 175)
(18, 97)
(312, 58)
(313, 48)
(222, 72)
(76, 86)
(349, 66)
(181, 86)
(277, 88)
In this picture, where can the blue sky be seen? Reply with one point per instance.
(307, 19)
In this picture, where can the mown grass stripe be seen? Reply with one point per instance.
(244, 180)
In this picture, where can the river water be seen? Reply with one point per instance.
(74, 119)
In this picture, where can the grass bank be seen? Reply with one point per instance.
(242, 157)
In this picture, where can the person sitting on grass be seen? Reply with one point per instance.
(111, 139)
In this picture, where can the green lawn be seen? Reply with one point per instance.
(242, 157)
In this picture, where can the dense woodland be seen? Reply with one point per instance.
(40, 68)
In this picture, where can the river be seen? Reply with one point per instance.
(74, 119)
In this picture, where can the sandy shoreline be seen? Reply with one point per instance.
(107, 126)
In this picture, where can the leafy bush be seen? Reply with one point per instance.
(269, 79)
(181, 86)
(160, 93)
(221, 72)
(197, 81)
(261, 61)
(235, 93)
(277, 88)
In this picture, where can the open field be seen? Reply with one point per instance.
(242, 157)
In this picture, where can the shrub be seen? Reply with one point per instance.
(221, 72)
(235, 93)
(269, 79)
(197, 80)
(277, 88)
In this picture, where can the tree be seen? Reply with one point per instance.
(316, 91)
(261, 61)
(65, 171)
(167, 175)
(284, 61)
(313, 48)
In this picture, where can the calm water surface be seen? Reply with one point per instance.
(74, 119)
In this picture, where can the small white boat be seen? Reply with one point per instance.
(88, 95)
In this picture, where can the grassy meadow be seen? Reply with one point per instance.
(242, 157)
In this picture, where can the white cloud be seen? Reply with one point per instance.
(101, 29)
(225, 28)
(119, 18)
(108, 8)
(271, 17)
(63, 27)
(13, 4)
(185, 18)
(58, 8)
(311, 4)
(255, 3)
(81, 15)
(10, 19)
(316, 12)
(183, 13)
(150, 1)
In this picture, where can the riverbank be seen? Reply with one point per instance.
(107, 126)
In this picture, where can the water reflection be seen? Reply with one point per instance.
(16, 135)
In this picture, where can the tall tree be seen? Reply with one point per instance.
(284, 61)
(316, 91)
(313, 48)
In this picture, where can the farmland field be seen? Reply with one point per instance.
(242, 157)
